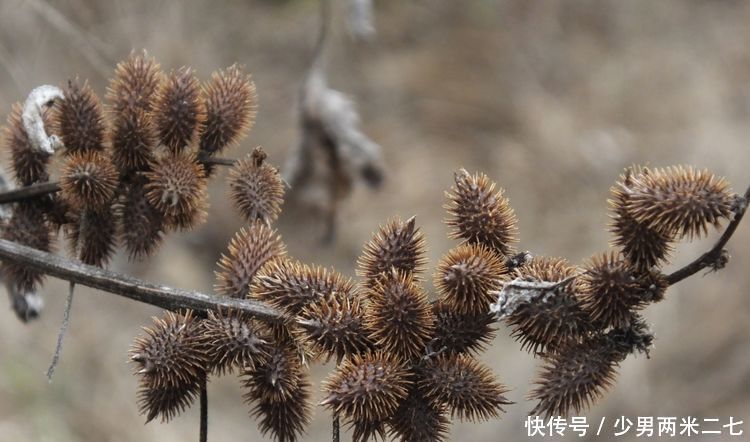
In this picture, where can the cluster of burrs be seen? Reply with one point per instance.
(583, 321)
(404, 363)
(131, 170)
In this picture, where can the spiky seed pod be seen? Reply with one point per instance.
(133, 138)
(277, 378)
(367, 388)
(93, 236)
(248, 251)
(179, 110)
(398, 315)
(609, 290)
(416, 419)
(397, 244)
(544, 323)
(363, 431)
(142, 225)
(88, 180)
(256, 188)
(29, 164)
(231, 105)
(572, 380)
(177, 188)
(467, 387)
(641, 245)
(461, 332)
(26, 226)
(290, 333)
(78, 119)
(135, 84)
(233, 340)
(635, 336)
(335, 327)
(285, 420)
(172, 353)
(291, 285)
(480, 215)
(166, 402)
(546, 268)
(680, 201)
(467, 274)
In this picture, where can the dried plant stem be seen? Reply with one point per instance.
(336, 428)
(713, 257)
(169, 298)
(35, 190)
(32, 191)
(204, 411)
(63, 331)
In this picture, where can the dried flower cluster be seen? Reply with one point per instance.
(583, 321)
(137, 161)
(405, 364)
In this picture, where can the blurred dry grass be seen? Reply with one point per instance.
(551, 99)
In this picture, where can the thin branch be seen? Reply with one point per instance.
(169, 298)
(204, 411)
(63, 331)
(39, 189)
(336, 428)
(32, 191)
(714, 257)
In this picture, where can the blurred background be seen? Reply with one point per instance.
(550, 99)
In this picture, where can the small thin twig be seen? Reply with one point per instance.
(28, 192)
(63, 331)
(166, 297)
(336, 428)
(39, 189)
(204, 411)
(714, 255)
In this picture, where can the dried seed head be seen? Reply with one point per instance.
(231, 105)
(26, 226)
(135, 84)
(335, 326)
(398, 245)
(166, 402)
(546, 322)
(177, 188)
(172, 353)
(398, 315)
(363, 431)
(233, 340)
(277, 378)
(461, 332)
(248, 251)
(133, 138)
(256, 188)
(142, 225)
(418, 420)
(285, 420)
(78, 119)
(610, 290)
(88, 180)
(641, 245)
(479, 215)
(466, 276)
(572, 380)
(464, 385)
(93, 236)
(291, 286)
(680, 201)
(179, 110)
(367, 388)
(29, 164)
